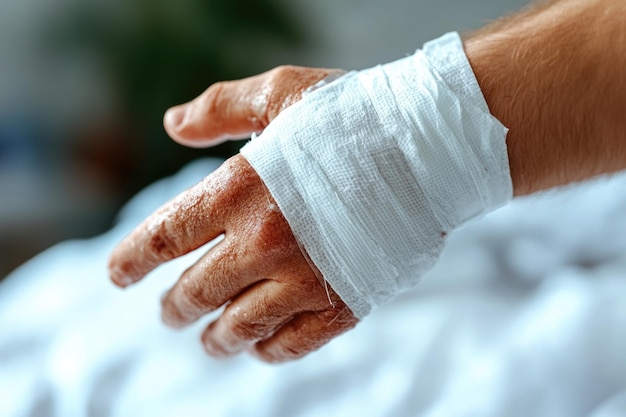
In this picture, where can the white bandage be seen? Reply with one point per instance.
(373, 170)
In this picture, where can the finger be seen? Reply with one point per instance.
(217, 277)
(236, 109)
(190, 220)
(305, 333)
(259, 244)
(258, 312)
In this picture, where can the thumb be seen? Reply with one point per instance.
(236, 109)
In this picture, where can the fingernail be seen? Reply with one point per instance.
(175, 116)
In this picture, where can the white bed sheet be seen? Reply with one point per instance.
(524, 315)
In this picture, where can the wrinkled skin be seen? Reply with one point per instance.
(276, 307)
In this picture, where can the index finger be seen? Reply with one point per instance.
(187, 222)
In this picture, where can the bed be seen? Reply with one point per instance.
(524, 315)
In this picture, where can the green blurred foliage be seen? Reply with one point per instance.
(165, 52)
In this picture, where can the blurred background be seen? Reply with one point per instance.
(84, 85)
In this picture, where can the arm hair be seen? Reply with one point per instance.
(555, 75)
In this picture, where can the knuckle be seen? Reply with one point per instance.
(176, 310)
(194, 294)
(293, 349)
(273, 236)
(284, 89)
(243, 331)
(233, 182)
(241, 328)
(160, 243)
(212, 347)
(167, 229)
(277, 353)
(161, 246)
(284, 72)
(212, 97)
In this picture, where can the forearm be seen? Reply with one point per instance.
(555, 76)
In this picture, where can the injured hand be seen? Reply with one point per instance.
(276, 306)
(355, 185)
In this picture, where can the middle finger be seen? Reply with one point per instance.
(261, 310)
(217, 277)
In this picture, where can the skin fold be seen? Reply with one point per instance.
(553, 74)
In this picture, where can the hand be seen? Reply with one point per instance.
(276, 307)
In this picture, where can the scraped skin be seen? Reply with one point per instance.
(276, 306)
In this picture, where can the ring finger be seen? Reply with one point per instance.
(217, 277)
(261, 310)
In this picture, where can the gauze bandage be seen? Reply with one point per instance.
(372, 170)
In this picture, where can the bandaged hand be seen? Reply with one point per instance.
(345, 198)
(276, 305)
(369, 172)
